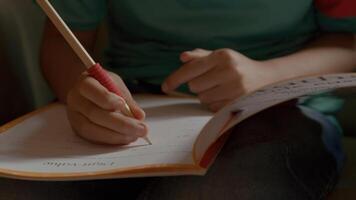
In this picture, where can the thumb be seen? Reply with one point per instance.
(136, 110)
(187, 56)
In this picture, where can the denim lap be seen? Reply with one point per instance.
(277, 154)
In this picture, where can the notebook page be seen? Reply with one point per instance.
(45, 143)
(245, 107)
(338, 84)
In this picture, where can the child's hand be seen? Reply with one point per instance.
(96, 114)
(219, 77)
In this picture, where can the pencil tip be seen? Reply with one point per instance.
(147, 140)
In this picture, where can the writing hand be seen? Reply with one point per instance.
(96, 114)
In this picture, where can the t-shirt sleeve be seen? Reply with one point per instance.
(81, 14)
(336, 15)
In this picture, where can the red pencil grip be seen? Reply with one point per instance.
(103, 78)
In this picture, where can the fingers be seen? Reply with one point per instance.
(207, 81)
(199, 65)
(98, 94)
(98, 115)
(187, 72)
(218, 93)
(136, 110)
(114, 121)
(214, 76)
(89, 131)
(198, 62)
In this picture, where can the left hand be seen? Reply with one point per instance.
(219, 77)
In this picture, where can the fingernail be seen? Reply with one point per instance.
(184, 57)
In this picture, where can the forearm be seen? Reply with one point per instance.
(331, 53)
(60, 65)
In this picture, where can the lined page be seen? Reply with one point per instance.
(45, 143)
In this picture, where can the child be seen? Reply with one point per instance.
(221, 49)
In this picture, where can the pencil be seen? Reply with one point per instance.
(94, 69)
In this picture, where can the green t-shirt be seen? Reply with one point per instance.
(147, 36)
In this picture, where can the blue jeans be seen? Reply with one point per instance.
(280, 153)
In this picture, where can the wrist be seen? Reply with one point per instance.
(281, 70)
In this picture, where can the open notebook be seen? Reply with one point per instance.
(186, 136)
